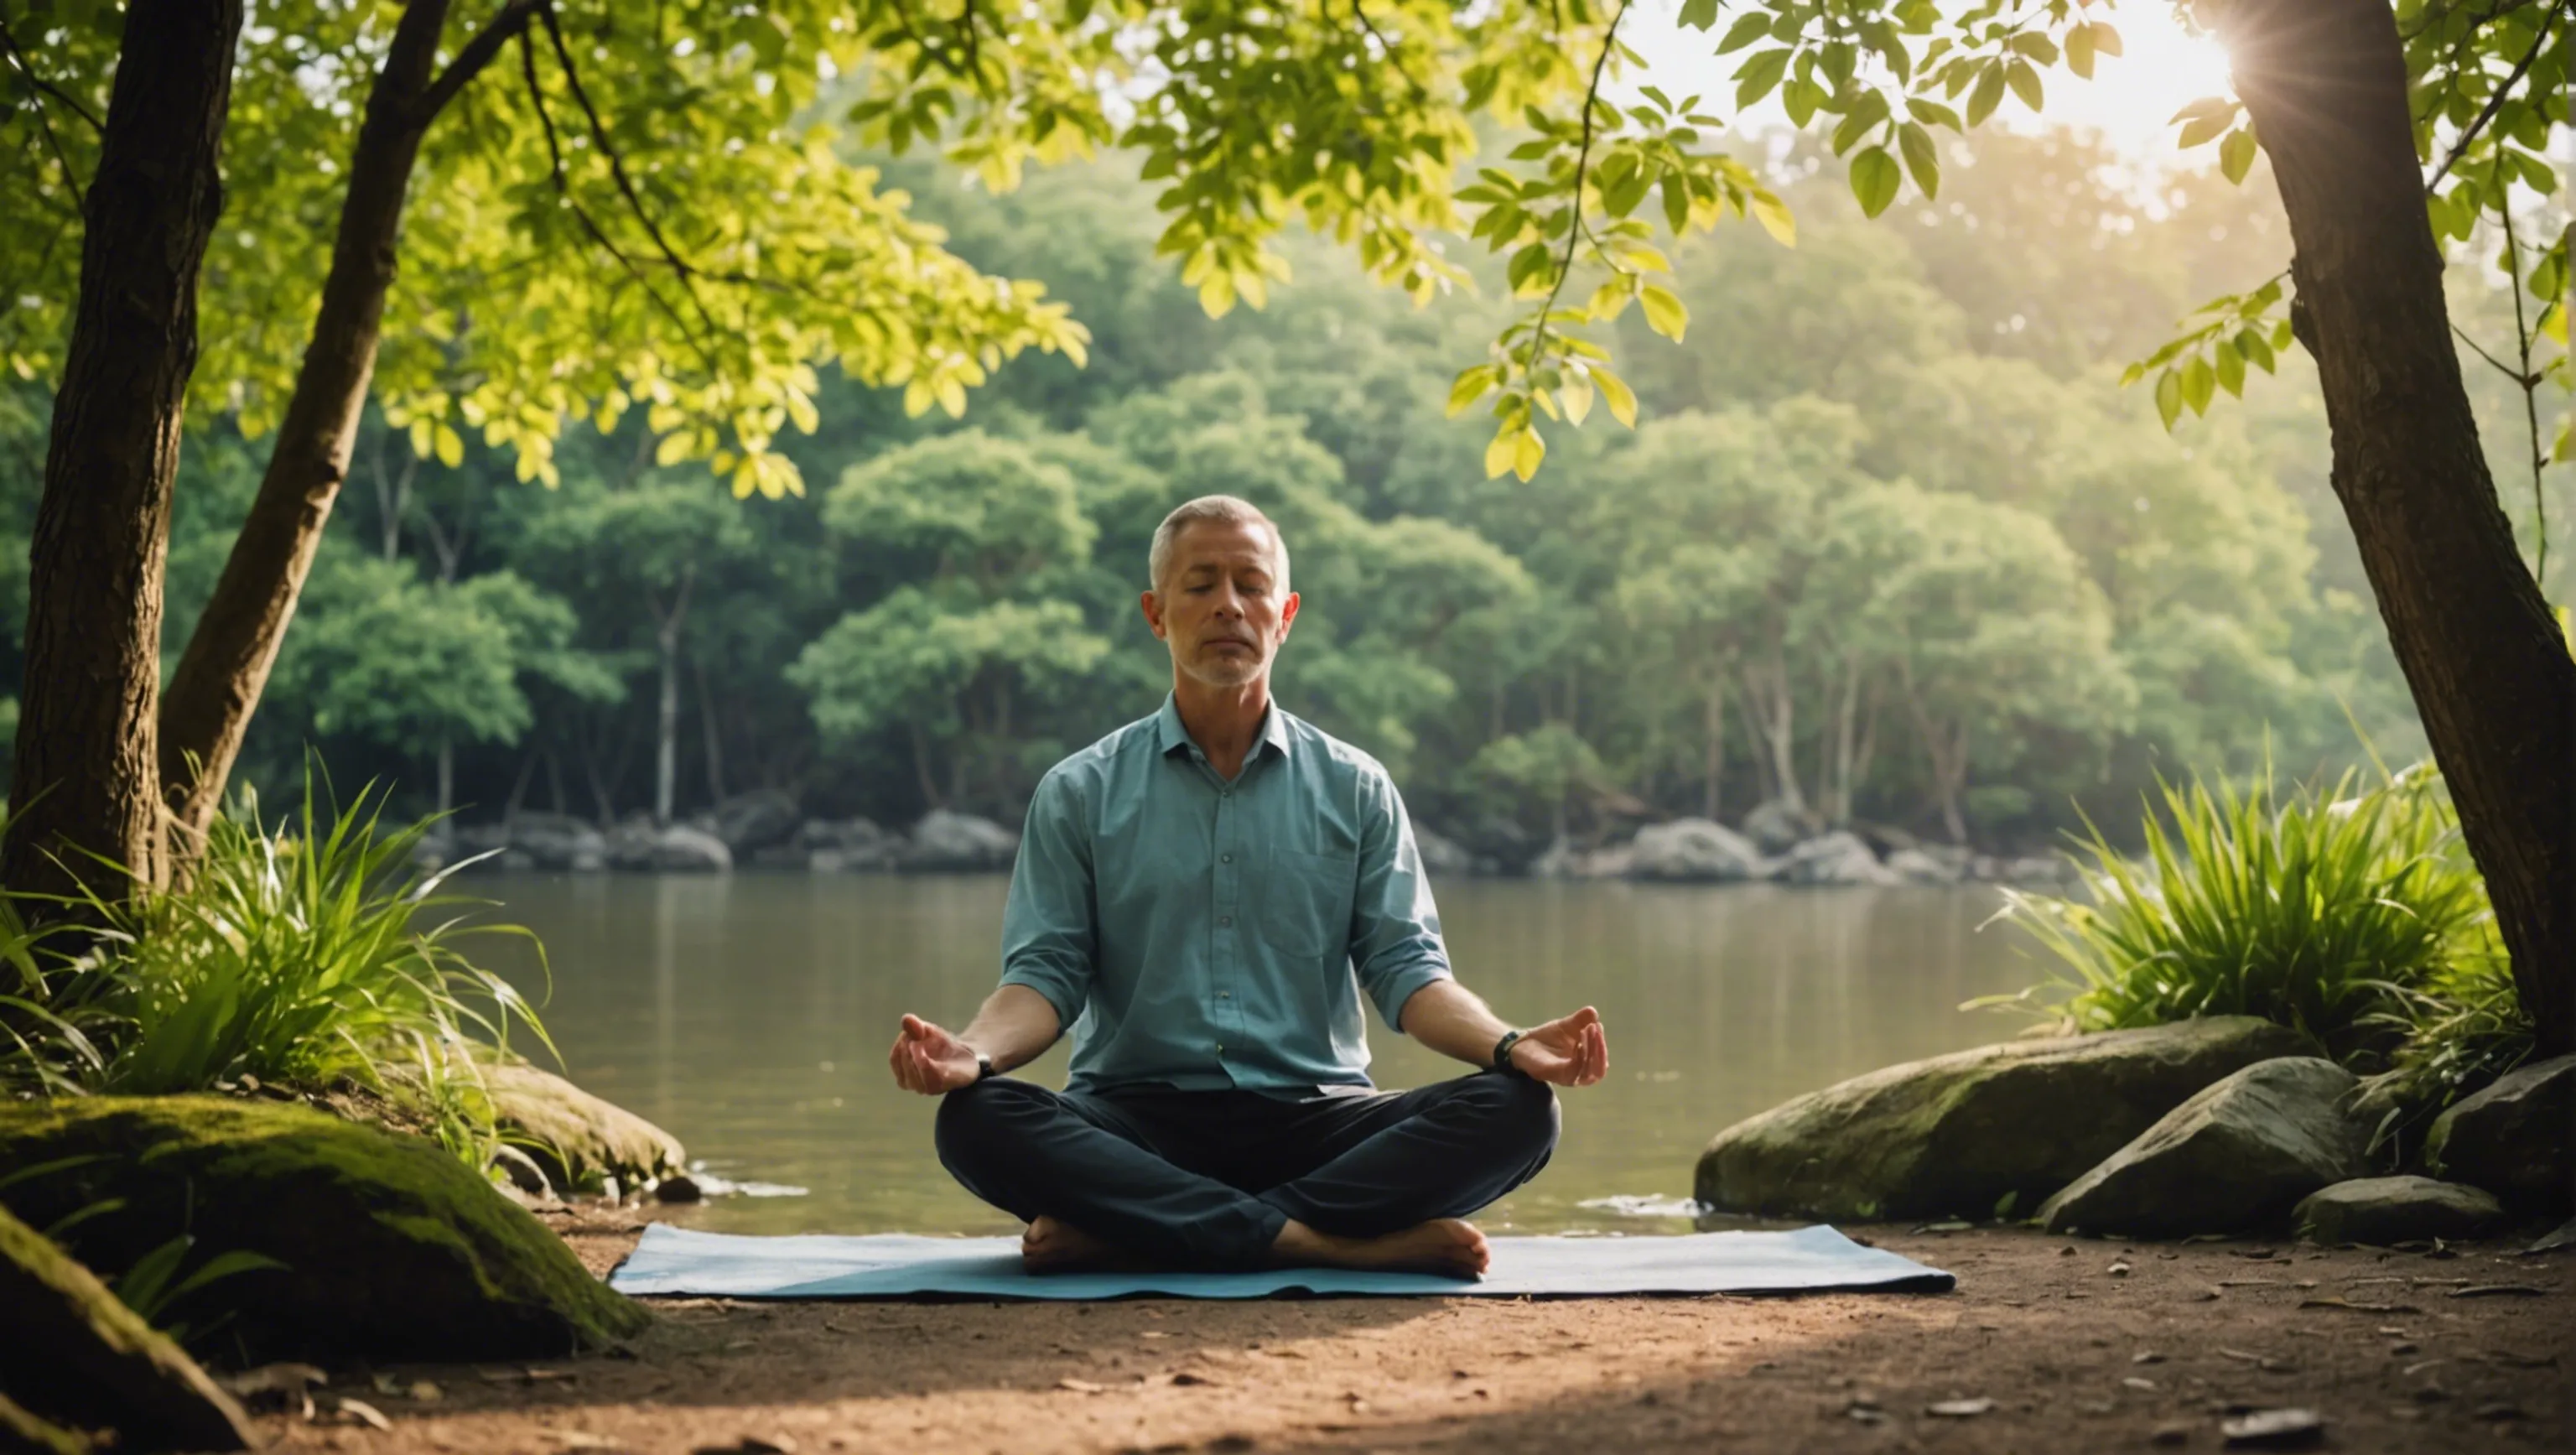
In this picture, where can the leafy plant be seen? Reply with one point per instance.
(159, 1279)
(306, 953)
(2325, 911)
(2463, 1028)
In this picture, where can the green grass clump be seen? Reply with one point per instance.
(307, 954)
(2343, 913)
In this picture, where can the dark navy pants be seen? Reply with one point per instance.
(1206, 1179)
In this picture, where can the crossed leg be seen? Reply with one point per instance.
(1227, 1180)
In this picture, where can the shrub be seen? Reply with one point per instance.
(2340, 913)
(306, 954)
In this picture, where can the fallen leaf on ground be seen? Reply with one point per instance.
(2360, 1308)
(1079, 1386)
(286, 1382)
(1959, 1409)
(2277, 1429)
(2501, 1409)
(365, 1413)
(2499, 1290)
(2134, 1382)
(2241, 1356)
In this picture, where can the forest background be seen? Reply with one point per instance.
(1890, 542)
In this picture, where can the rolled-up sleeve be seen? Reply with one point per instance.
(1050, 933)
(1396, 947)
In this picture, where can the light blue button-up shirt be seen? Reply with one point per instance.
(1203, 934)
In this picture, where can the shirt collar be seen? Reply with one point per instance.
(1170, 734)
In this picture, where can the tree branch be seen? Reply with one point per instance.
(1582, 166)
(477, 54)
(43, 85)
(617, 164)
(2504, 89)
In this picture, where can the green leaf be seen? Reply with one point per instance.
(2202, 128)
(2106, 40)
(1874, 179)
(1933, 113)
(1527, 452)
(1676, 202)
(2079, 49)
(1988, 93)
(1775, 217)
(1921, 158)
(1744, 32)
(2231, 370)
(451, 448)
(2236, 154)
(1865, 115)
(1760, 72)
(2256, 349)
(1664, 312)
(2199, 383)
(1801, 99)
(2168, 404)
(2024, 80)
(1616, 393)
(1471, 386)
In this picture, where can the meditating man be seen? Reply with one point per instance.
(1203, 896)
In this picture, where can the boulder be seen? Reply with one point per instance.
(847, 845)
(2383, 1211)
(1835, 858)
(72, 1355)
(1958, 1134)
(393, 1249)
(575, 1138)
(2511, 1138)
(1564, 860)
(559, 841)
(1916, 866)
(1440, 856)
(945, 842)
(2234, 1158)
(1775, 828)
(754, 820)
(1693, 851)
(669, 848)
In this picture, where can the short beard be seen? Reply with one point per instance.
(1224, 671)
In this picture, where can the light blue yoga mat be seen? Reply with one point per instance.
(899, 1266)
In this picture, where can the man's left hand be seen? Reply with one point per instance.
(1569, 1051)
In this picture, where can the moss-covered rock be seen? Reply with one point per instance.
(2512, 1138)
(393, 1249)
(72, 1355)
(575, 1137)
(2386, 1210)
(1959, 1134)
(2236, 1157)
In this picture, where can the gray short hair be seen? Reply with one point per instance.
(1233, 510)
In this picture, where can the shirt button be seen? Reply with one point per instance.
(1225, 995)
(1224, 921)
(1225, 858)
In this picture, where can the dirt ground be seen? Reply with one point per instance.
(2080, 1346)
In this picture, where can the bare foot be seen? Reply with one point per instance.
(1052, 1245)
(1450, 1246)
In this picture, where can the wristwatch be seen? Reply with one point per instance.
(984, 1068)
(1503, 1056)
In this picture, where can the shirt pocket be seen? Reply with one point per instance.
(1306, 903)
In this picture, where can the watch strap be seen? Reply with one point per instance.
(1503, 1055)
(984, 1068)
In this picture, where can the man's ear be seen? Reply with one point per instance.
(1288, 612)
(1152, 606)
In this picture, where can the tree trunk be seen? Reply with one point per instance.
(226, 664)
(666, 727)
(86, 779)
(2325, 83)
(714, 735)
(1716, 744)
(446, 777)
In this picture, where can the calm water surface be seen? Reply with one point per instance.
(751, 1014)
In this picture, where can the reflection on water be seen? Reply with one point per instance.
(751, 1014)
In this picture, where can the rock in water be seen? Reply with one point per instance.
(2511, 1138)
(2386, 1210)
(2233, 1158)
(395, 1249)
(578, 1138)
(748, 822)
(71, 1354)
(1442, 856)
(1922, 866)
(1693, 851)
(1776, 828)
(1956, 1134)
(959, 843)
(559, 841)
(1835, 858)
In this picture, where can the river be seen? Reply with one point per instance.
(750, 1015)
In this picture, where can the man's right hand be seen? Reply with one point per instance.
(930, 1060)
